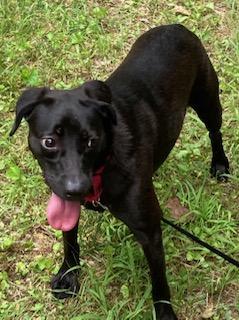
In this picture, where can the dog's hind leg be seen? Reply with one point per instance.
(205, 101)
(142, 214)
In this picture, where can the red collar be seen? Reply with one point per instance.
(96, 185)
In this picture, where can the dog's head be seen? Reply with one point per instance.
(70, 133)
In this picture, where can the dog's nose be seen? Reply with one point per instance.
(75, 187)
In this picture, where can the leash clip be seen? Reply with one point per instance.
(97, 203)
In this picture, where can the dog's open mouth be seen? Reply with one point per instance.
(62, 214)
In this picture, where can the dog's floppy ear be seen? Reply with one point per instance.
(26, 103)
(100, 92)
(107, 112)
(97, 90)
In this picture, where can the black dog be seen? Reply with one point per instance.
(104, 140)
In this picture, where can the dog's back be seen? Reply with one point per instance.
(153, 86)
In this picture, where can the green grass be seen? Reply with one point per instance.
(62, 44)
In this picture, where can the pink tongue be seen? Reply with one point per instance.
(62, 214)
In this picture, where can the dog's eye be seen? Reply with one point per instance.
(59, 131)
(48, 143)
(91, 143)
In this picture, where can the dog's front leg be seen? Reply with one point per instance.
(151, 241)
(143, 216)
(65, 284)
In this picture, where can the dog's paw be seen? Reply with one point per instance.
(165, 312)
(65, 284)
(220, 171)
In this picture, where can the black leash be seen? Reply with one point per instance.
(202, 243)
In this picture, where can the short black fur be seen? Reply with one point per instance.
(133, 120)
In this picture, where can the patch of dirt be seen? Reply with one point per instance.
(176, 208)
(42, 239)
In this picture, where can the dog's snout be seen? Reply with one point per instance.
(76, 187)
